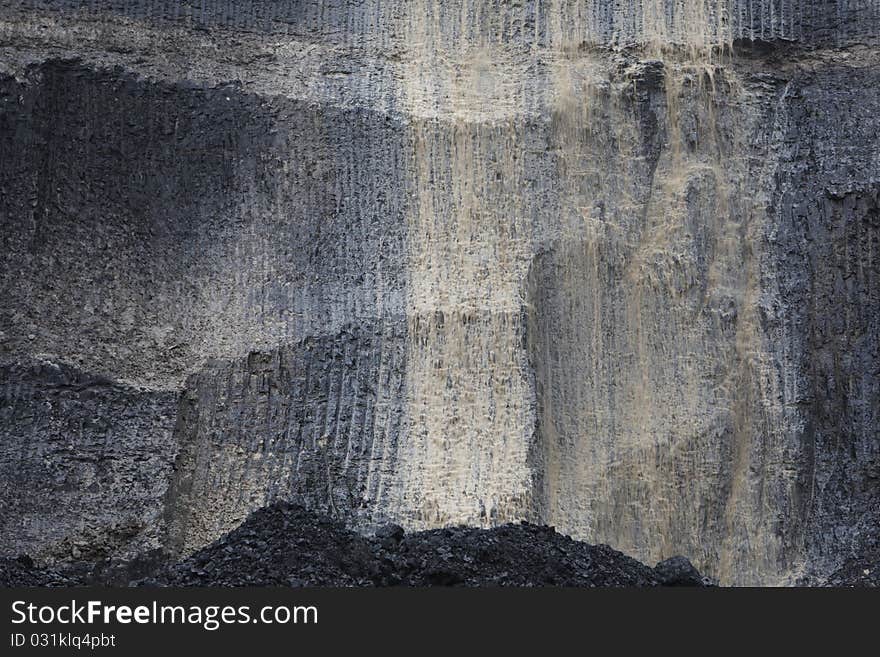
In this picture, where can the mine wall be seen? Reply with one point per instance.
(606, 266)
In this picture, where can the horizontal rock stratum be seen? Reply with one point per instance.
(611, 267)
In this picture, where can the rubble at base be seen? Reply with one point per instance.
(288, 545)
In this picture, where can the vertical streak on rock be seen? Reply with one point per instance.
(657, 396)
(468, 393)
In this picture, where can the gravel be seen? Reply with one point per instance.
(859, 572)
(287, 545)
(21, 572)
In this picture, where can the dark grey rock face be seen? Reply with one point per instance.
(608, 266)
(83, 463)
(827, 230)
(300, 422)
(622, 22)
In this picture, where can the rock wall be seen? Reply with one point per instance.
(610, 266)
(82, 459)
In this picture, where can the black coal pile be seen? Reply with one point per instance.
(679, 571)
(287, 545)
(279, 545)
(511, 555)
(860, 572)
(21, 572)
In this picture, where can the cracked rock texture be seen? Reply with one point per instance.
(609, 266)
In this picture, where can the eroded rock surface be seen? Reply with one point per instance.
(606, 266)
